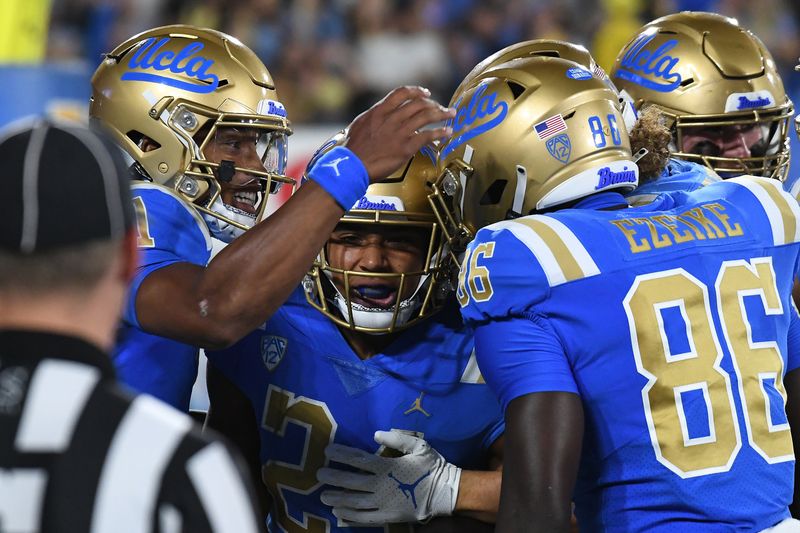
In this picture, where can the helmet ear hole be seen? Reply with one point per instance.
(516, 88)
(144, 143)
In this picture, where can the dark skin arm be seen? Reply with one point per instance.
(214, 306)
(231, 415)
(792, 383)
(542, 450)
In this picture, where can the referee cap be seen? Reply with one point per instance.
(63, 185)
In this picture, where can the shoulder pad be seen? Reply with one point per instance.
(167, 222)
(512, 265)
(780, 208)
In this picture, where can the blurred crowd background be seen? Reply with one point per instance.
(331, 59)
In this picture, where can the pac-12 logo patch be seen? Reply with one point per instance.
(272, 350)
(560, 147)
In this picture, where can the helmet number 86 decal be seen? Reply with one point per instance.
(599, 133)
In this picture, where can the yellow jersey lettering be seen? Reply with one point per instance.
(718, 209)
(670, 222)
(630, 234)
(659, 241)
(711, 229)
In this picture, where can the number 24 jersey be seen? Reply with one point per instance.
(674, 324)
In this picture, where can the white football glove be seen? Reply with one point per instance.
(411, 488)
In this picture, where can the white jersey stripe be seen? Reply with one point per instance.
(472, 373)
(21, 498)
(56, 398)
(543, 254)
(757, 186)
(578, 250)
(142, 447)
(216, 481)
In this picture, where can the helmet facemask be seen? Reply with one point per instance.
(381, 302)
(764, 132)
(229, 201)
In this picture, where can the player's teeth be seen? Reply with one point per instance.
(374, 292)
(246, 197)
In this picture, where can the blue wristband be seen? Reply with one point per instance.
(342, 174)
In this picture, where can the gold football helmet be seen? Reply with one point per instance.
(537, 47)
(705, 72)
(175, 89)
(529, 135)
(398, 204)
(547, 48)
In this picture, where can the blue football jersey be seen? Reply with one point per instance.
(674, 324)
(170, 231)
(678, 176)
(792, 186)
(309, 389)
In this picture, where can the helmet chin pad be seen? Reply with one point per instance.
(377, 317)
(220, 228)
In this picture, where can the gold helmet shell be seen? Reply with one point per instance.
(400, 201)
(529, 135)
(177, 86)
(536, 47)
(703, 70)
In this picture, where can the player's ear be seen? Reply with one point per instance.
(147, 144)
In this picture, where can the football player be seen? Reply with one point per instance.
(356, 400)
(645, 358)
(718, 88)
(199, 114)
(649, 137)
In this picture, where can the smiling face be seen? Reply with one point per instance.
(369, 249)
(245, 148)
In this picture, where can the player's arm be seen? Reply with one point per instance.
(245, 283)
(479, 490)
(544, 421)
(544, 432)
(231, 414)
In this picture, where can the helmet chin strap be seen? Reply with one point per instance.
(223, 230)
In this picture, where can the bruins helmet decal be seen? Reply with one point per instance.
(529, 135)
(705, 72)
(397, 204)
(167, 94)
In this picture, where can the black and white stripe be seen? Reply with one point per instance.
(82, 456)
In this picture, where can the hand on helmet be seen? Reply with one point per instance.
(386, 135)
(413, 487)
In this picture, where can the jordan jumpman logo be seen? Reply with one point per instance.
(417, 406)
(408, 488)
(335, 164)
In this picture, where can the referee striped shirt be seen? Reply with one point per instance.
(78, 454)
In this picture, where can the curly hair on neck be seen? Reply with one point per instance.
(650, 132)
